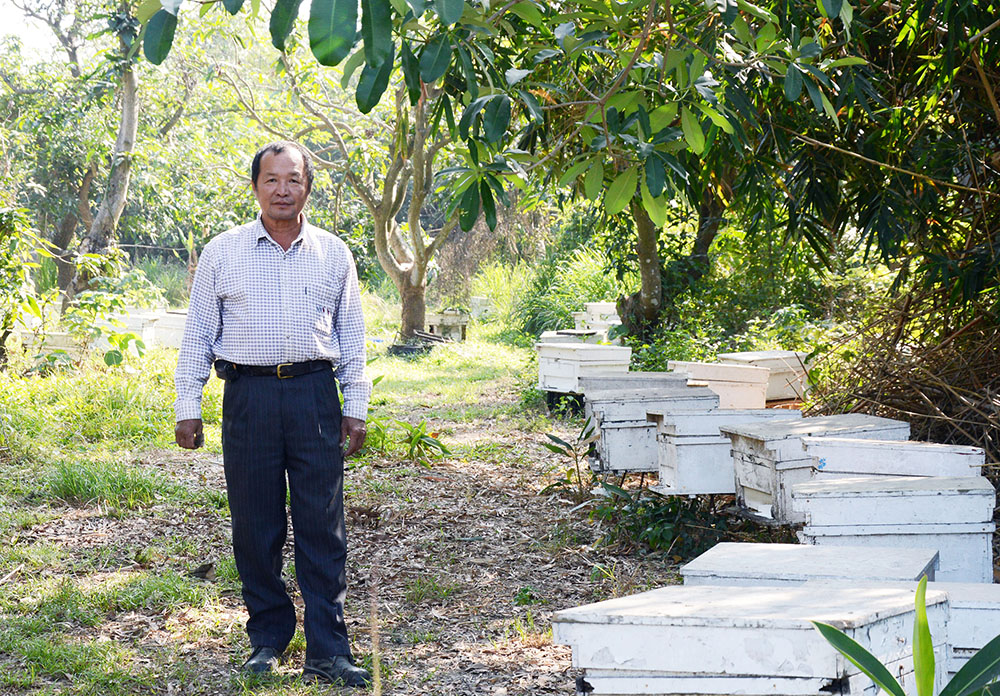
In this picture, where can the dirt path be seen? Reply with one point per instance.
(458, 568)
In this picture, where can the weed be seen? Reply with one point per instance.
(111, 484)
(577, 452)
(429, 589)
(526, 632)
(527, 595)
(417, 637)
(421, 446)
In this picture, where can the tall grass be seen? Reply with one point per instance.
(170, 276)
(503, 285)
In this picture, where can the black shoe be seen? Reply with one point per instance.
(263, 659)
(339, 670)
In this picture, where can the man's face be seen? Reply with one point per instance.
(282, 187)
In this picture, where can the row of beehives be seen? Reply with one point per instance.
(742, 624)
(874, 505)
(848, 479)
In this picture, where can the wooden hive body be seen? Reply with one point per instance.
(769, 458)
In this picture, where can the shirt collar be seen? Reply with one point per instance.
(304, 236)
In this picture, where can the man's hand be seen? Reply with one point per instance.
(189, 434)
(352, 433)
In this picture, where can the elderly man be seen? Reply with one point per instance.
(275, 306)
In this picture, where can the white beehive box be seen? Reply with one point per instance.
(788, 378)
(632, 380)
(769, 457)
(754, 640)
(693, 457)
(775, 565)
(449, 323)
(170, 328)
(572, 336)
(560, 365)
(952, 515)
(738, 386)
(628, 441)
(846, 456)
(973, 619)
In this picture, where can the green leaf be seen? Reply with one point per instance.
(435, 58)
(830, 111)
(449, 11)
(515, 75)
(232, 6)
(620, 191)
(815, 94)
(470, 75)
(692, 131)
(532, 106)
(411, 71)
(656, 175)
(469, 208)
(283, 18)
(559, 441)
(529, 13)
(656, 207)
(356, 60)
(662, 116)
(923, 648)
(146, 10)
(758, 12)
(593, 182)
(159, 37)
(113, 357)
(574, 171)
(373, 83)
(489, 206)
(861, 658)
(376, 30)
(850, 60)
(981, 669)
(716, 118)
(418, 7)
(831, 8)
(333, 29)
(793, 83)
(496, 118)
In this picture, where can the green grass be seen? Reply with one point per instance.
(429, 589)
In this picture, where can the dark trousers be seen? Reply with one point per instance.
(272, 429)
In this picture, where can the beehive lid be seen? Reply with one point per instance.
(719, 372)
(780, 360)
(801, 563)
(683, 423)
(583, 351)
(892, 486)
(847, 423)
(749, 607)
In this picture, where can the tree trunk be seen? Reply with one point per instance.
(62, 240)
(413, 314)
(640, 311)
(710, 218)
(101, 233)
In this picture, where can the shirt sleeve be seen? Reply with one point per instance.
(201, 329)
(350, 332)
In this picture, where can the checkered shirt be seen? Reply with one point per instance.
(253, 303)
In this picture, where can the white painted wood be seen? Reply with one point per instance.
(740, 564)
(633, 380)
(450, 324)
(965, 551)
(842, 456)
(895, 500)
(788, 378)
(738, 386)
(769, 457)
(570, 337)
(626, 447)
(560, 365)
(753, 631)
(170, 328)
(628, 403)
(693, 457)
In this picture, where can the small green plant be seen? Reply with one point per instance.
(527, 595)
(429, 589)
(421, 446)
(576, 452)
(975, 678)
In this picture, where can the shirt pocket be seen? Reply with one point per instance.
(323, 324)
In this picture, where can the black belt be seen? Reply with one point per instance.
(282, 371)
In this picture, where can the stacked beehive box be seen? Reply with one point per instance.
(170, 328)
(735, 564)
(839, 457)
(627, 440)
(752, 641)
(952, 515)
(738, 386)
(561, 365)
(693, 456)
(788, 378)
(448, 323)
(769, 458)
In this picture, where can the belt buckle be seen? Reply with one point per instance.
(278, 370)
